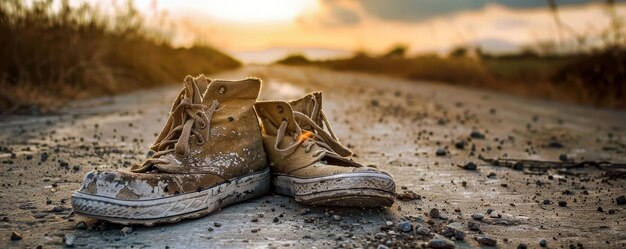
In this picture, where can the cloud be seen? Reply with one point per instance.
(420, 10)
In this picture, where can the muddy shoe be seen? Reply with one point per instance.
(308, 162)
(208, 155)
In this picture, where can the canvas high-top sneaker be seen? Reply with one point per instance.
(307, 163)
(208, 155)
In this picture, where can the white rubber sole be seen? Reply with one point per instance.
(175, 208)
(350, 189)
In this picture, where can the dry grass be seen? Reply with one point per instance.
(597, 78)
(49, 55)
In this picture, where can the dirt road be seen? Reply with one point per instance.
(414, 130)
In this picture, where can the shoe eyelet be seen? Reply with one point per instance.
(222, 90)
(279, 109)
(199, 141)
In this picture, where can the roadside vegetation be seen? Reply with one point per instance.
(51, 52)
(576, 67)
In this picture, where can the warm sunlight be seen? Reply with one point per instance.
(257, 11)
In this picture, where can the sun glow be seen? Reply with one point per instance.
(248, 11)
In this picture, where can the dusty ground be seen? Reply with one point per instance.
(395, 124)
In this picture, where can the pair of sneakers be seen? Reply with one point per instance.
(212, 152)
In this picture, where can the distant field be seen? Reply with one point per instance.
(49, 56)
(597, 79)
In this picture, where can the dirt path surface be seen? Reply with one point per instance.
(414, 130)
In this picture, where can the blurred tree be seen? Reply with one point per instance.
(398, 51)
(460, 51)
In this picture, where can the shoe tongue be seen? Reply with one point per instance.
(272, 114)
(192, 90)
(203, 83)
(310, 105)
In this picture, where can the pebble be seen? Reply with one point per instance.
(470, 166)
(408, 195)
(405, 226)
(336, 217)
(563, 203)
(546, 202)
(477, 135)
(453, 230)
(381, 246)
(494, 215)
(254, 230)
(81, 225)
(434, 213)
(543, 242)
(423, 230)
(477, 216)
(620, 200)
(16, 235)
(440, 152)
(69, 239)
(441, 243)
(522, 246)
(460, 144)
(484, 240)
(217, 224)
(305, 211)
(474, 226)
(127, 230)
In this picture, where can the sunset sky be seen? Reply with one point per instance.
(260, 31)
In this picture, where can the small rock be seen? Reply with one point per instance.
(381, 246)
(453, 229)
(305, 211)
(522, 246)
(423, 230)
(474, 226)
(620, 200)
(336, 217)
(15, 235)
(408, 195)
(434, 213)
(460, 144)
(389, 223)
(477, 216)
(563, 158)
(254, 230)
(69, 239)
(477, 135)
(469, 166)
(492, 175)
(441, 243)
(489, 210)
(600, 209)
(81, 225)
(543, 242)
(484, 240)
(440, 152)
(405, 226)
(612, 211)
(494, 215)
(546, 202)
(563, 203)
(217, 224)
(127, 230)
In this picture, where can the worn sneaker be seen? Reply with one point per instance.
(208, 155)
(308, 162)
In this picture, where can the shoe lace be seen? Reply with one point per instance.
(307, 139)
(194, 117)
